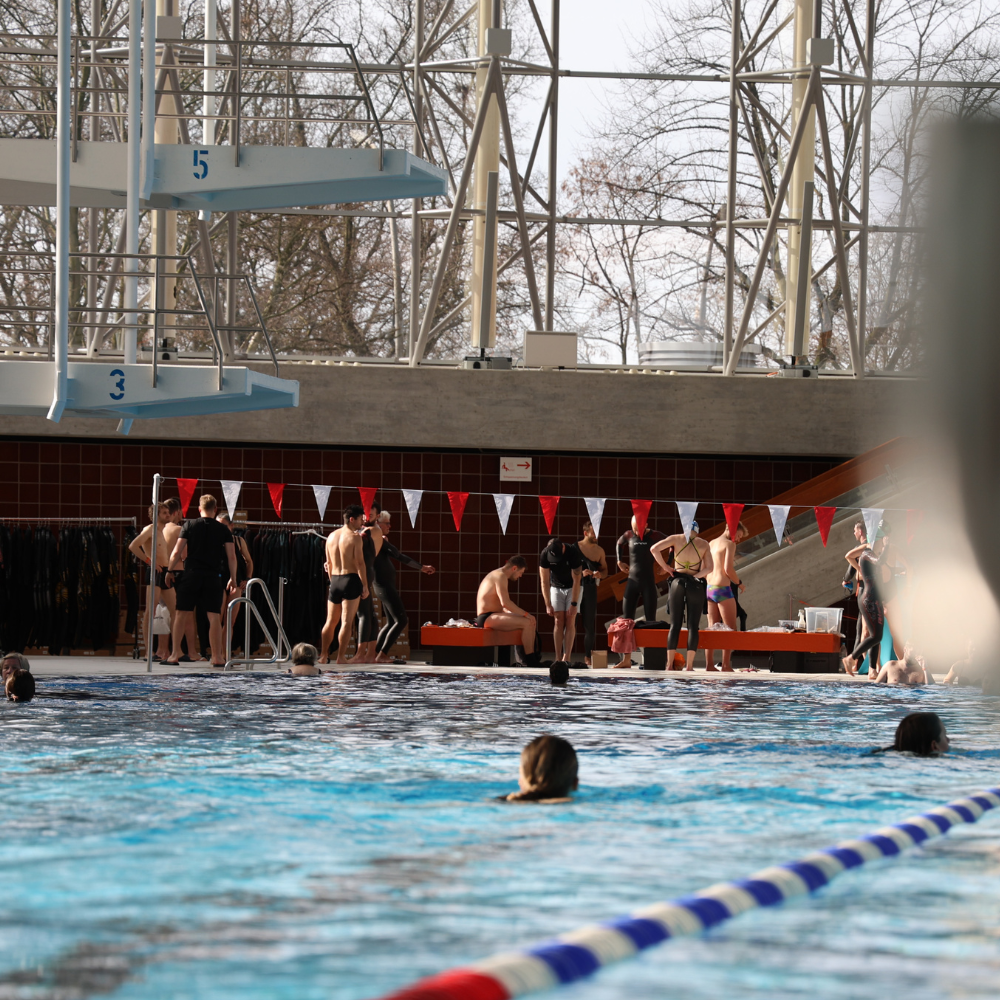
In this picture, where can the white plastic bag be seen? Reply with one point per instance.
(161, 620)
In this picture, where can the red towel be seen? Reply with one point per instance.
(621, 635)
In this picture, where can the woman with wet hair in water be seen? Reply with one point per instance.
(920, 733)
(549, 771)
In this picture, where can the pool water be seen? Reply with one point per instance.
(269, 837)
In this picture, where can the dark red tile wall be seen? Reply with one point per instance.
(114, 479)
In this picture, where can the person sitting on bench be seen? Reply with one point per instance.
(495, 609)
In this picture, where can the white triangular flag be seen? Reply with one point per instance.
(504, 502)
(686, 509)
(779, 515)
(412, 498)
(872, 516)
(322, 495)
(231, 493)
(595, 511)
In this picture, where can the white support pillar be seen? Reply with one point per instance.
(803, 171)
(130, 339)
(208, 85)
(63, 151)
(487, 162)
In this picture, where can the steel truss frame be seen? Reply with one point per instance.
(541, 221)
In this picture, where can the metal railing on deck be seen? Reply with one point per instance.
(280, 649)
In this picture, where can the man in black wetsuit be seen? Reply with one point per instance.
(205, 548)
(634, 558)
(385, 586)
(560, 568)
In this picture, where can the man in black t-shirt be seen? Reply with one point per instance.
(560, 567)
(206, 550)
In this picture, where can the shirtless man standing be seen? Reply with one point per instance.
(723, 586)
(495, 608)
(345, 566)
(171, 532)
(142, 548)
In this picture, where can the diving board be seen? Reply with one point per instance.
(196, 178)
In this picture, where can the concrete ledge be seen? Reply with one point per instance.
(532, 411)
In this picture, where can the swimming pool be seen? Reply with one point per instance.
(255, 836)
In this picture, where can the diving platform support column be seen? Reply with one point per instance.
(807, 13)
(484, 285)
(60, 388)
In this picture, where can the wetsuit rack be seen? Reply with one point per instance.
(98, 521)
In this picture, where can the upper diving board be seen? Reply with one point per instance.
(195, 178)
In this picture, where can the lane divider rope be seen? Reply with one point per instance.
(582, 952)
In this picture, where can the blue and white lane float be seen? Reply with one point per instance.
(582, 952)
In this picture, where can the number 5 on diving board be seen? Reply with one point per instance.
(201, 160)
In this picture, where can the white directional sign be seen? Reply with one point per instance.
(515, 470)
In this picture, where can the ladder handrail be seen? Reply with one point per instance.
(281, 650)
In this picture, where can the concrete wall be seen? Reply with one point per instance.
(531, 411)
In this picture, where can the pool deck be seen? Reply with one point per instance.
(122, 666)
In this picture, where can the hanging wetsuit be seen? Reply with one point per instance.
(641, 583)
(588, 603)
(686, 591)
(367, 619)
(385, 587)
(870, 606)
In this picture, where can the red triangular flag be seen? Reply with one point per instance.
(824, 518)
(913, 518)
(186, 488)
(641, 510)
(457, 501)
(733, 512)
(549, 505)
(367, 496)
(276, 490)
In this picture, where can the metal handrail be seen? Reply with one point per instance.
(282, 646)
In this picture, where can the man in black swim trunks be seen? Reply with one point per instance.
(345, 565)
(206, 551)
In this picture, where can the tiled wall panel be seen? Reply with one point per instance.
(113, 479)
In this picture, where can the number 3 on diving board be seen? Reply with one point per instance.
(201, 160)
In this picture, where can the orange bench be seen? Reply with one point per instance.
(453, 647)
(790, 652)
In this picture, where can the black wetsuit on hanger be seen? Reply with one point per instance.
(385, 587)
(641, 585)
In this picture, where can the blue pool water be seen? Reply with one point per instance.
(264, 837)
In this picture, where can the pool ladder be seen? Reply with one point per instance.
(280, 650)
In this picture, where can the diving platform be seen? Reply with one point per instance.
(113, 389)
(200, 178)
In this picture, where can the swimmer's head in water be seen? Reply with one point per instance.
(559, 673)
(921, 733)
(549, 769)
(20, 686)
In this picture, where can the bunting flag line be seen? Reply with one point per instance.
(231, 493)
(412, 499)
(322, 495)
(914, 517)
(595, 511)
(686, 510)
(779, 516)
(504, 502)
(367, 498)
(457, 501)
(549, 505)
(733, 512)
(185, 490)
(640, 510)
(824, 519)
(872, 516)
(276, 490)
